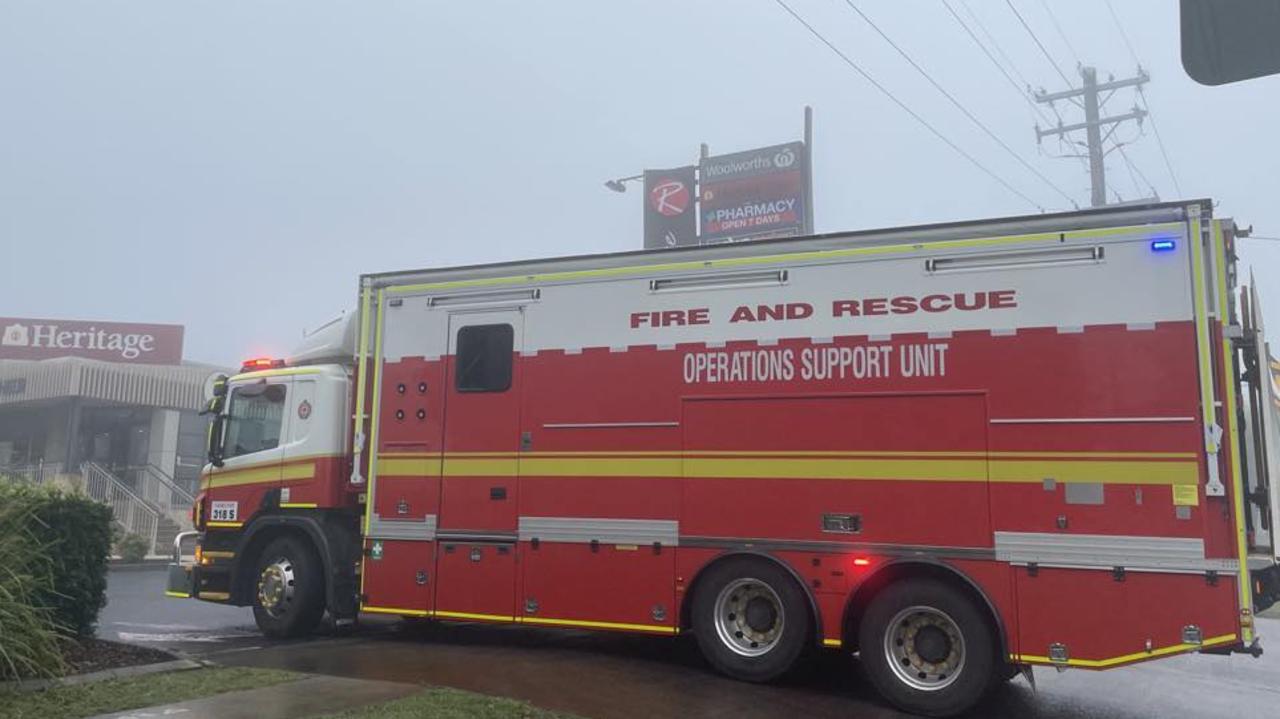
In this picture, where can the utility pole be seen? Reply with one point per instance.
(1087, 97)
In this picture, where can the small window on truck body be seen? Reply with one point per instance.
(483, 358)
(255, 417)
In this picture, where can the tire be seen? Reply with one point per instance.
(927, 648)
(288, 589)
(751, 619)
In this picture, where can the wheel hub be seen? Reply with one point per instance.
(924, 648)
(761, 614)
(748, 617)
(932, 644)
(275, 587)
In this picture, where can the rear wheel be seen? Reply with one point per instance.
(927, 648)
(288, 599)
(751, 619)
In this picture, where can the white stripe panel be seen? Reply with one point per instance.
(421, 529)
(1098, 550)
(606, 531)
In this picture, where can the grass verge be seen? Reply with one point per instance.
(442, 703)
(84, 700)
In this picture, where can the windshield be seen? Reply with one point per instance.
(254, 419)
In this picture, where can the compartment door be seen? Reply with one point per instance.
(475, 565)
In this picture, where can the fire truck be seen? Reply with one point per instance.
(957, 450)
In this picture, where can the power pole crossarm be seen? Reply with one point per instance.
(1142, 77)
(1135, 114)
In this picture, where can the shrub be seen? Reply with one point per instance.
(76, 533)
(29, 641)
(132, 548)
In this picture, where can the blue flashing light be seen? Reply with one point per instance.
(1163, 245)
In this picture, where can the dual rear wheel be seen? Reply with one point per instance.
(925, 646)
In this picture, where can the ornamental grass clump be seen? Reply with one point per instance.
(30, 637)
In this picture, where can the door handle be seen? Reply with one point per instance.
(497, 493)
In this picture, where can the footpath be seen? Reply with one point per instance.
(310, 696)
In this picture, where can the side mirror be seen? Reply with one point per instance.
(216, 429)
(215, 394)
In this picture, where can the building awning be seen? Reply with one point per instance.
(169, 386)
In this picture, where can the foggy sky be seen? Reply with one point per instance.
(234, 166)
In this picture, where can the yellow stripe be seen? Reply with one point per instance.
(1202, 325)
(1237, 476)
(807, 467)
(958, 470)
(258, 474)
(213, 596)
(1127, 658)
(226, 525)
(395, 610)
(815, 255)
(1133, 472)
(281, 372)
(297, 505)
(470, 615)
(362, 371)
(599, 625)
(373, 412)
(177, 595)
(791, 453)
(832, 643)
(372, 447)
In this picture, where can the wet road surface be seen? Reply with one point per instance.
(617, 676)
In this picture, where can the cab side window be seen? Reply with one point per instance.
(254, 419)
(484, 358)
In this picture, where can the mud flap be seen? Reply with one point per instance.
(179, 584)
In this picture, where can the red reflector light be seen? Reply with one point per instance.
(861, 562)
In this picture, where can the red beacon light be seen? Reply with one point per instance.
(261, 363)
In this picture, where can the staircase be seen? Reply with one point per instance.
(144, 501)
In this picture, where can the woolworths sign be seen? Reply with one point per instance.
(28, 338)
(754, 194)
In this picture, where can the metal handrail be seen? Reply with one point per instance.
(37, 473)
(156, 487)
(128, 510)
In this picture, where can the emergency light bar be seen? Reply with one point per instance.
(770, 278)
(261, 363)
(1056, 257)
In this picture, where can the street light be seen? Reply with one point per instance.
(618, 184)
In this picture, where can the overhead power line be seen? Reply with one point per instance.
(1013, 66)
(1039, 44)
(1164, 153)
(959, 106)
(1123, 35)
(1054, 19)
(1134, 168)
(1022, 91)
(905, 108)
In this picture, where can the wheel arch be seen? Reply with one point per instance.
(916, 568)
(266, 529)
(686, 602)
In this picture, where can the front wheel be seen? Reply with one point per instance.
(751, 619)
(288, 598)
(927, 648)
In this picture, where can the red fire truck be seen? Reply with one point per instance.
(958, 450)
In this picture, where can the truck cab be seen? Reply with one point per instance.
(277, 517)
